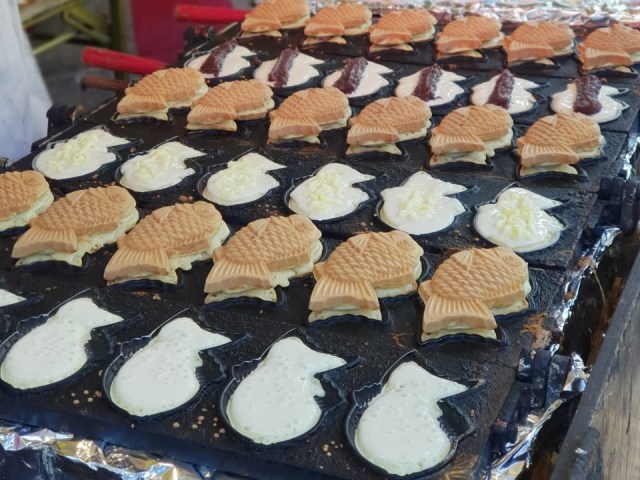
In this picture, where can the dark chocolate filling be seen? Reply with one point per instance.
(428, 82)
(213, 64)
(501, 94)
(351, 75)
(587, 93)
(279, 74)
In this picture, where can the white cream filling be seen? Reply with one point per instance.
(370, 82)
(8, 298)
(521, 99)
(564, 102)
(446, 89)
(300, 72)
(234, 62)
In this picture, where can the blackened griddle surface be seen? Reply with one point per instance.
(197, 434)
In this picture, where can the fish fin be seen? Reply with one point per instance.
(229, 275)
(128, 262)
(330, 293)
(359, 134)
(532, 155)
(38, 239)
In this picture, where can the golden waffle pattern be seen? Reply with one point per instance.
(20, 190)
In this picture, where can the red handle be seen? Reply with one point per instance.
(104, 83)
(120, 62)
(207, 15)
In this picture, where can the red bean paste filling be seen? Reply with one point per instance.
(279, 74)
(351, 75)
(213, 64)
(501, 94)
(587, 93)
(428, 82)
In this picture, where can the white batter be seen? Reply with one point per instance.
(370, 82)
(521, 99)
(55, 350)
(329, 193)
(8, 298)
(301, 70)
(276, 402)
(234, 62)
(446, 90)
(400, 431)
(162, 375)
(244, 180)
(563, 102)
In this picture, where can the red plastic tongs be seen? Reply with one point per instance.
(208, 15)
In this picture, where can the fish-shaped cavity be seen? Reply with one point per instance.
(81, 222)
(9, 298)
(57, 349)
(329, 193)
(81, 155)
(358, 78)
(305, 114)
(156, 93)
(506, 91)
(464, 36)
(432, 85)
(271, 16)
(267, 253)
(538, 42)
(334, 22)
(518, 220)
(290, 69)
(556, 142)
(161, 167)
(23, 196)
(244, 180)
(228, 102)
(397, 29)
(469, 288)
(383, 123)
(421, 206)
(470, 134)
(278, 401)
(168, 239)
(163, 375)
(361, 270)
(588, 96)
(401, 431)
(612, 48)
(225, 60)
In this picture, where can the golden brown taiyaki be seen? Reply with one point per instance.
(81, 222)
(333, 22)
(538, 40)
(271, 16)
(361, 270)
(169, 238)
(615, 47)
(386, 121)
(263, 255)
(469, 288)
(464, 36)
(23, 195)
(396, 29)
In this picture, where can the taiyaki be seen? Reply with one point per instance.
(506, 91)
(555, 142)
(469, 288)
(223, 61)
(81, 222)
(230, 101)
(361, 270)
(263, 255)
(537, 41)
(386, 121)
(156, 93)
(395, 30)
(465, 35)
(271, 16)
(290, 69)
(334, 22)
(358, 77)
(169, 238)
(616, 47)
(305, 114)
(470, 134)
(432, 85)
(23, 195)
(587, 95)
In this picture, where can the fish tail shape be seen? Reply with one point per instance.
(230, 275)
(361, 133)
(441, 311)
(330, 292)
(460, 142)
(283, 126)
(128, 260)
(38, 239)
(518, 50)
(532, 155)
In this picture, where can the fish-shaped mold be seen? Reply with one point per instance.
(290, 69)
(359, 78)
(361, 270)
(225, 60)
(506, 91)
(56, 349)
(432, 85)
(168, 239)
(587, 95)
(615, 47)
(23, 196)
(334, 22)
(271, 16)
(536, 41)
(261, 256)
(81, 222)
(278, 401)
(396, 29)
(163, 374)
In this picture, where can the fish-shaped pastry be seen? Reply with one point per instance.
(230, 101)
(464, 36)
(23, 195)
(396, 29)
(556, 142)
(616, 47)
(361, 270)
(536, 41)
(169, 238)
(271, 16)
(469, 288)
(305, 114)
(470, 134)
(386, 121)
(334, 22)
(81, 222)
(263, 255)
